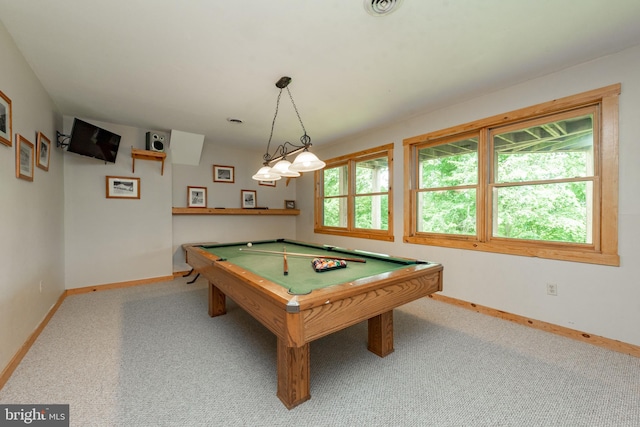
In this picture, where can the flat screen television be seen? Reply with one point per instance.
(91, 141)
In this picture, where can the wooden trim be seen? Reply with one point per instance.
(108, 286)
(17, 358)
(546, 251)
(361, 234)
(554, 106)
(608, 343)
(350, 160)
(179, 274)
(408, 219)
(371, 152)
(233, 211)
(603, 250)
(610, 163)
(390, 196)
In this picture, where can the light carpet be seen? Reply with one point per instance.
(151, 356)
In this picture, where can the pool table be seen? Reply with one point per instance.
(304, 305)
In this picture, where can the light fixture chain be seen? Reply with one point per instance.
(267, 156)
(296, 110)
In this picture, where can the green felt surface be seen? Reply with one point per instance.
(302, 278)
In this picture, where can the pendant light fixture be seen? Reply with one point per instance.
(304, 162)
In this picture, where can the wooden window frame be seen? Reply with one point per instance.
(350, 230)
(604, 248)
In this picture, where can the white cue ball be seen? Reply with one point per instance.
(249, 244)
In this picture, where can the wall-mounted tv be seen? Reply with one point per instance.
(91, 141)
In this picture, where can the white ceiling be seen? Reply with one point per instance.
(191, 64)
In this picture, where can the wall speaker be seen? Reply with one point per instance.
(155, 142)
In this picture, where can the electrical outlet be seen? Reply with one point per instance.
(552, 289)
(40, 286)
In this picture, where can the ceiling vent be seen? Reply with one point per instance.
(381, 7)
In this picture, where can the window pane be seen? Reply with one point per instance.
(372, 212)
(372, 176)
(550, 212)
(449, 165)
(555, 150)
(335, 181)
(451, 212)
(335, 212)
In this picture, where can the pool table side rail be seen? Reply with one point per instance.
(280, 295)
(205, 262)
(322, 248)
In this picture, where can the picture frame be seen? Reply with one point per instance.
(123, 187)
(43, 151)
(289, 204)
(25, 154)
(6, 129)
(248, 199)
(223, 174)
(196, 197)
(267, 183)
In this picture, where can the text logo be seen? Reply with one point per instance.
(34, 415)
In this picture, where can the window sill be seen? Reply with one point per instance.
(372, 235)
(547, 252)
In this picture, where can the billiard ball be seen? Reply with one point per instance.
(249, 244)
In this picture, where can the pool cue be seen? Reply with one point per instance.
(286, 265)
(306, 255)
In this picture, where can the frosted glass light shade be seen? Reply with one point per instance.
(282, 168)
(265, 174)
(307, 162)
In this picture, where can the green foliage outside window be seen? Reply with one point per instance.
(543, 189)
(371, 201)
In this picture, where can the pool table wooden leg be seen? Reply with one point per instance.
(217, 301)
(293, 374)
(381, 334)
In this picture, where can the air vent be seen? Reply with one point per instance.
(381, 7)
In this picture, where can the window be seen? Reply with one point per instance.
(541, 181)
(353, 195)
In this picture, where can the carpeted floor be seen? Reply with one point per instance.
(151, 356)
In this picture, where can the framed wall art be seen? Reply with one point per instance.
(122, 187)
(5, 120)
(289, 204)
(248, 199)
(43, 151)
(267, 183)
(25, 154)
(223, 174)
(196, 197)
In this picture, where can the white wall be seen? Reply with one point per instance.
(115, 240)
(596, 299)
(31, 213)
(228, 228)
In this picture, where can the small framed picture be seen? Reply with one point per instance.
(289, 204)
(43, 151)
(248, 199)
(223, 174)
(25, 154)
(122, 187)
(267, 183)
(5, 119)
(196, 197)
